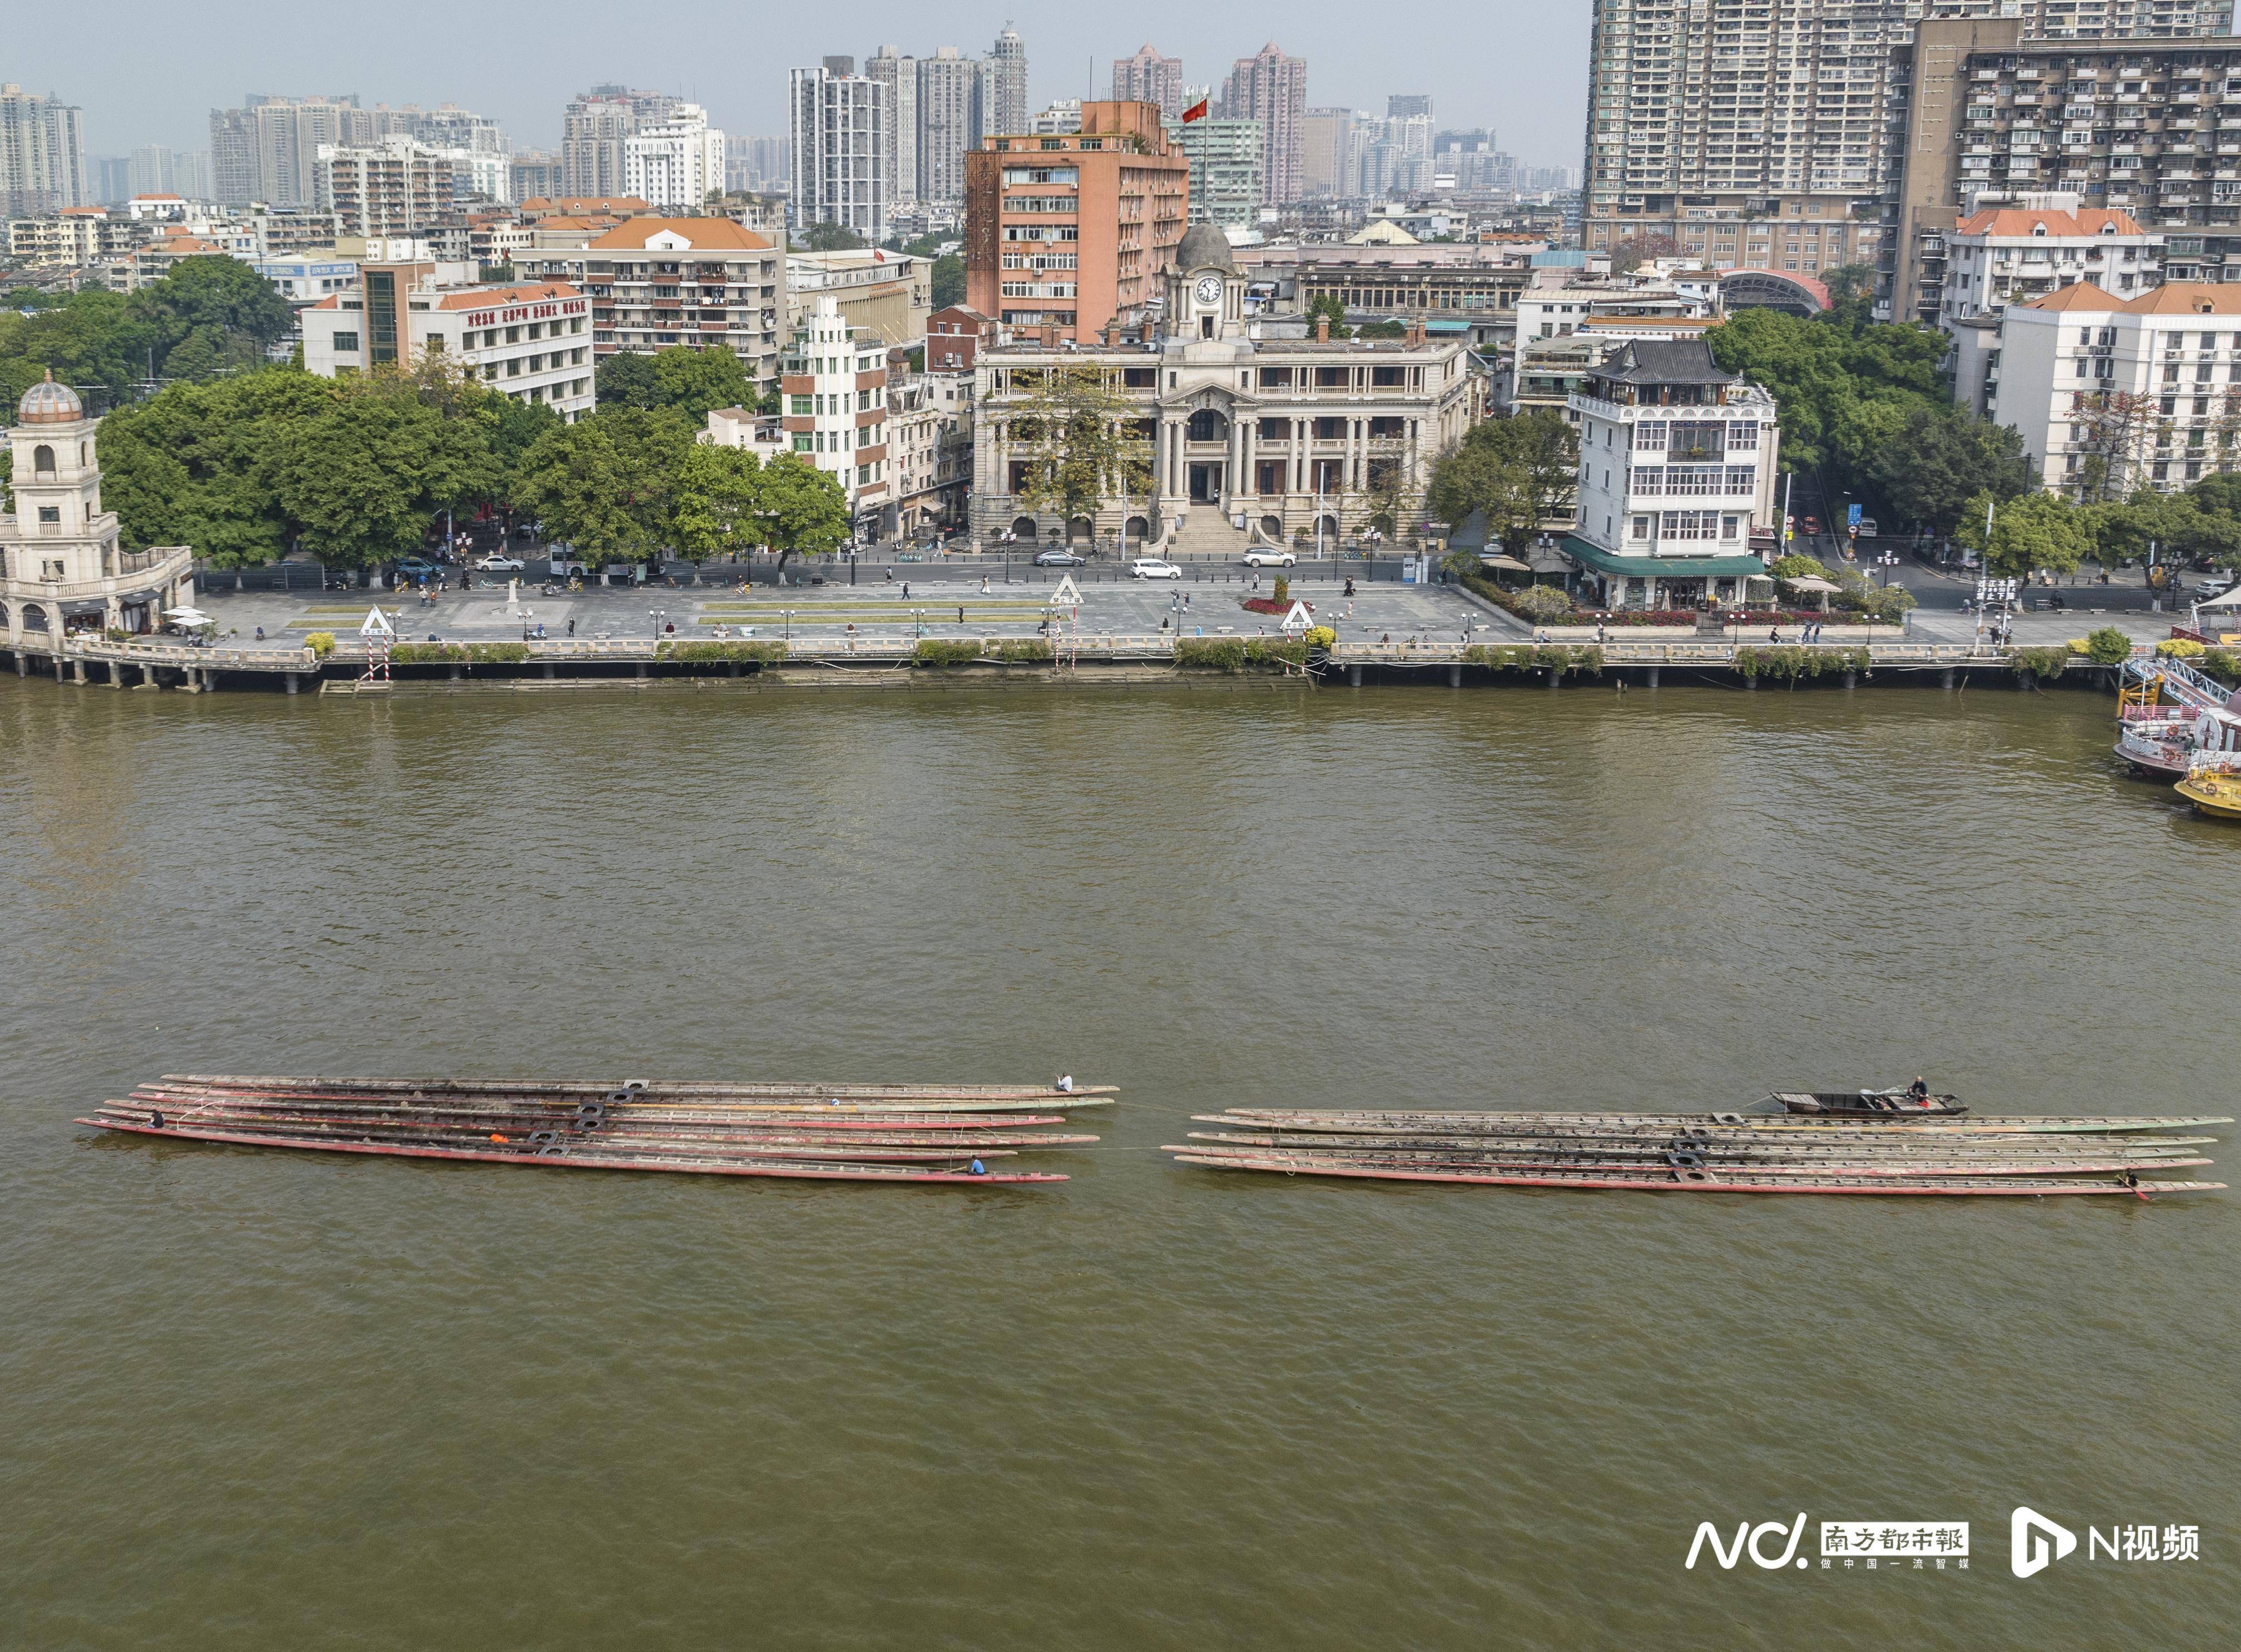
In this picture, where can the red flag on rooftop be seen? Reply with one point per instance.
(1196, 111)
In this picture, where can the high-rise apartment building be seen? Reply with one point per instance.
(676, 161)
(899, 75)
(268, 150)
(594, 128)
(42, 153)
(953, 107)
(1328, 160)
(1407, 105)
(1272, 88)
(756, 166)
(1066, 233)
(1725, 115)
(1225, 169)
(233, 157)
(1149, 78)
(153, 170)
(396, 189)
(1007, 107)
(536, 174)
(842, 148)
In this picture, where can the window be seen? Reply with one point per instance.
(802, 404)
(1641, 530)
(1698, 441)
(1743, 438)
(51, 513)
(1330, 429)
(1275, 430)
(346, 343)
(1742, 478)
(801, 442)
(43, 459)
(1388, 377)
(1330, 378)
(1649, 436)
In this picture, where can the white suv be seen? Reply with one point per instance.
(1152, 568)
(1257, 557)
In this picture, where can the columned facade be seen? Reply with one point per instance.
(1278, 437)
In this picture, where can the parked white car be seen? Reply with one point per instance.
(1258, 557)
(1152, 568)
(495, 562)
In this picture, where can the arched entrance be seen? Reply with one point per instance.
(1272, 527)
(1080, 530)
(35, 617)
(1138, 530)
(1023, 527)
(1327, 530)
(1208, 427)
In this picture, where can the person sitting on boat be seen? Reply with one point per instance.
(1918, 1091)
(1066, 1084)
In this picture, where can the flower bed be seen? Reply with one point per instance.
(1269, 605)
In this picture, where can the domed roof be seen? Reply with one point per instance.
(50, 403)
(1204, 247)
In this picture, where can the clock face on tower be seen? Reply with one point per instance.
(1210, 290)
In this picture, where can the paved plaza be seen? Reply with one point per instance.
(878, 608)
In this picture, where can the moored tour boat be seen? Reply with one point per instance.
(2213, 784)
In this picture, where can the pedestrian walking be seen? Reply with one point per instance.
(906, 590)
(572, 625)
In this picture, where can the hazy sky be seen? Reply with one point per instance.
(150, 73)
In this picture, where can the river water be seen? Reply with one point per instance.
(257, 1399)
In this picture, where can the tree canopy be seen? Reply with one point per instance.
(691, 380)
(247, 468)
(1866, 406)
(1519, 472)
(208, 316)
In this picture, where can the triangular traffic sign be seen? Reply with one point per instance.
(1069, 595)
(1299, 619)
(377, 624)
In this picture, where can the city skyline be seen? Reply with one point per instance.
(524, 79)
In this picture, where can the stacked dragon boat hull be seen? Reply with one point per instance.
(1728, 1153)
(920, 1134)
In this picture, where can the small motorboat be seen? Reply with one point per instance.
(1866, 1104)
(2213, 784)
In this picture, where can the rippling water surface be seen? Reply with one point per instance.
(253, 1399)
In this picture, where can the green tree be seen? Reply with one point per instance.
(693, 380)
(1329, 306)
(200, 463)
(831, 237)
(1932, 460)
(606, 484)
(626, 379)
(802, 510)
(217, 292)
(948, 276)
(1079, 433)
(349, 477)
(717, 513)
(1521, 471)
(2038, 532)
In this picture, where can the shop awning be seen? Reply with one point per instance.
(1597, 560)
(1506, 563)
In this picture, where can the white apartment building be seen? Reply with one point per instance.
(2116, 394)
(2003, 255)
(1676, 472)
(531, 342)
(835, 396)
(396, 187)
(656, 282)
(674, 163)
(843, 148)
